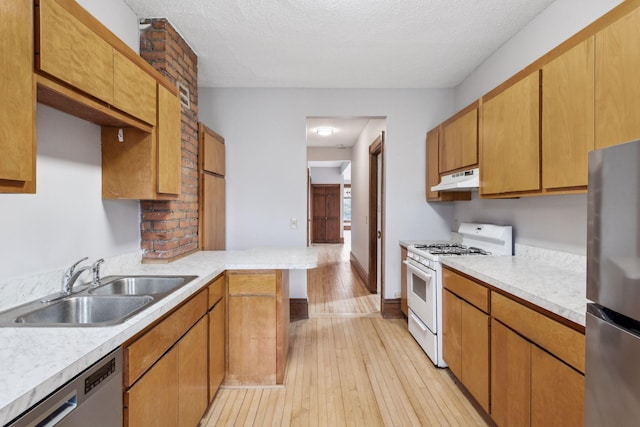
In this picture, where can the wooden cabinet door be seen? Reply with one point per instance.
(217, 348)
(451, 333)
(617, 85)
(213, 150)
(557, 392)
(568, 117)
(459, 148)
(134, 90)
(153, 400)
(474, 339)
(433, 168)
(169, 142)
(192, 375)
(510, 149)
(17, 118)
(252, 339)
(510, 377)
(213, 212)
(72, 52)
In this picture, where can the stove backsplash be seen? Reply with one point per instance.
(551, 257)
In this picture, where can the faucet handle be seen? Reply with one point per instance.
(95, 269)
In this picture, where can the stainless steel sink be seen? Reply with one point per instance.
(141, 285)
(114, 301)
(85, 310)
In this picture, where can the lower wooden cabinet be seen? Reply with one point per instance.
(258, 331)
(531, 387)
(192, 375)
(466, 345)
(557, 392)
(510, 377)
(153, 400)
(217, 347)
(165, 370)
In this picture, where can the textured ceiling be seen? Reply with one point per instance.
(341, 43)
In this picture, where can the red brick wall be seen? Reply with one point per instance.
(169, 229)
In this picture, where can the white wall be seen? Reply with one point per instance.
(557, 222)
(264, 131)
(558, 22)
(329, 175)
(67, 219)
(328, 154)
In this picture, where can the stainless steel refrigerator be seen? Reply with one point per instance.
(612, 375)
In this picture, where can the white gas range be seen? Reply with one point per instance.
(424, 279)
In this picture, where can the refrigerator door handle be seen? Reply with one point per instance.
(621, 321)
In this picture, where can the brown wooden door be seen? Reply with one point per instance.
(192, 375)
(326, 200)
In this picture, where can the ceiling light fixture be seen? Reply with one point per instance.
(324, 131)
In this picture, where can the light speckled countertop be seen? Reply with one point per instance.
(560, 291)
(553, 280)
(36, 361)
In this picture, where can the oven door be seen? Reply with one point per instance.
(421, 294)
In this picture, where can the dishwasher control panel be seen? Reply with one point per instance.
(98, 376)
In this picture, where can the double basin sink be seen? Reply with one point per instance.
(116, 299)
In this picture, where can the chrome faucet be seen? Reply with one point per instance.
(71, 275)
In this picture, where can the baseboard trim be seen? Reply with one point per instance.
(391, 309)
(298, 309)
(360, 271)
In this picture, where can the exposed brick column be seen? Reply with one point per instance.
(169, 229)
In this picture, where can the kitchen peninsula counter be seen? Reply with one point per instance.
(35, 361)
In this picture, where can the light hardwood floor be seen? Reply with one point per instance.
(348, 367)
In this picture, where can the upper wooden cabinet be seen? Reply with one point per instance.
(69, 50)
(142, 165)
(212, 151)
(459, 144)
(510, 145)
(134, 91)
(433, 173)
(17, 90)
(568, 117)
(617, 84)
(211, 227)
(169, 142)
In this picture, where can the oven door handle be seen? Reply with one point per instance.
(416, 270)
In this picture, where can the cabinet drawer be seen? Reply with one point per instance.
(565, 343)
(142, 353)
(216, 291)
(252, 283)
(472, 292)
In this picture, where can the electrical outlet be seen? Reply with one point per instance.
(293, 223)
(398, 295)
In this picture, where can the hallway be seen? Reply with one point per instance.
(334, 288)
(348, 367)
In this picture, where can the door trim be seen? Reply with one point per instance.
(376, 149)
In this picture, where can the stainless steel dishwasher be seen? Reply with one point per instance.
(93, 398)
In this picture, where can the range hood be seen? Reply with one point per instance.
(459, 181)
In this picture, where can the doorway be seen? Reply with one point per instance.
(376, 216)
(325, 208)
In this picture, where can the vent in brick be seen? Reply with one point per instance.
(184, 95)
